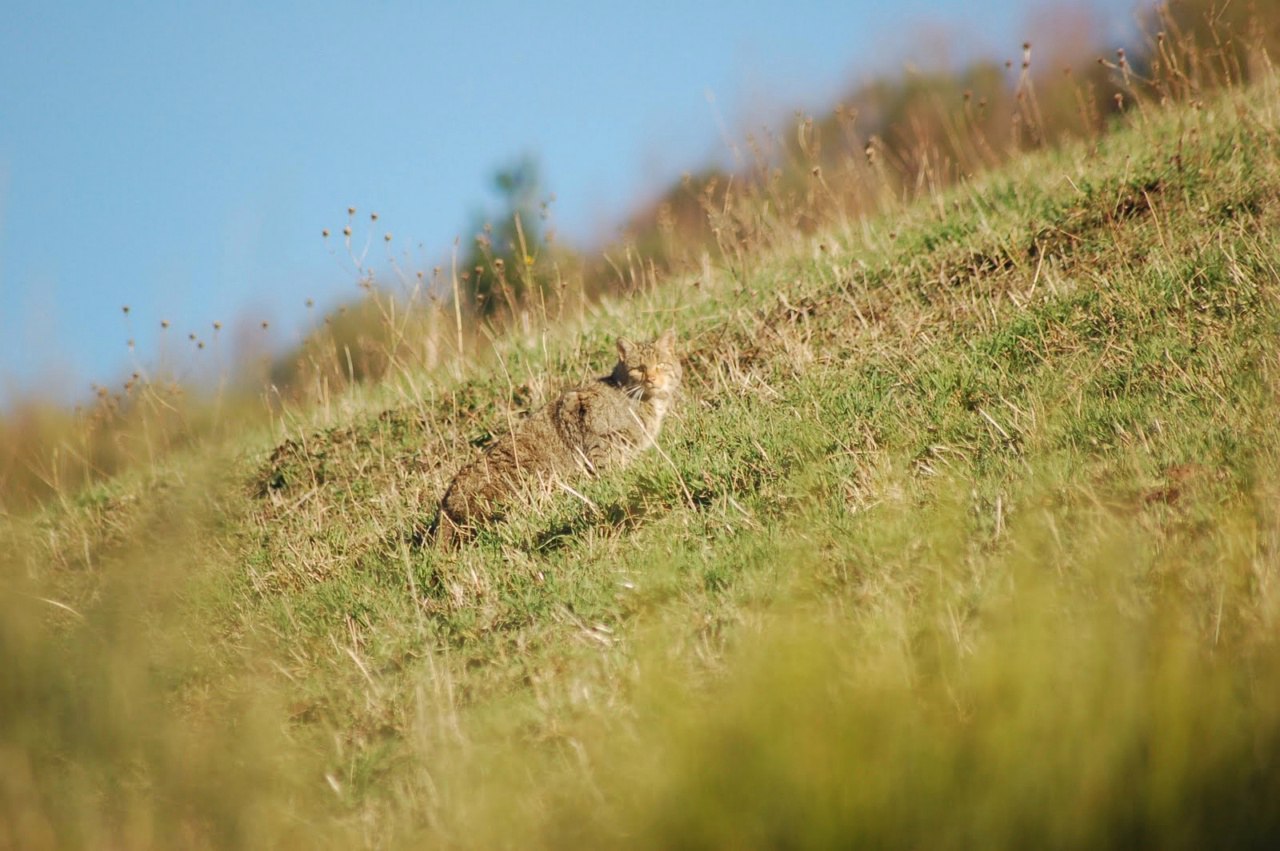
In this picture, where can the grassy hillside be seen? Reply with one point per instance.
(964, 534)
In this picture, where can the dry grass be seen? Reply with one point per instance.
(963, 534)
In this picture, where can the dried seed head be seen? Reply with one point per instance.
(351, 211)
(373, 217)
(325, 233)
(164, 324)
(217, 326)
(310, 303)
(386, 237)
(125, 309)
(265, 325)
(346, 231)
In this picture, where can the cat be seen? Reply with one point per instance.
(598, 426)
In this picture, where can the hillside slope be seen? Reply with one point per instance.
(963, 533)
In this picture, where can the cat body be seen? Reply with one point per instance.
(598, 426)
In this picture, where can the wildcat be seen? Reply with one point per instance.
(599, 426)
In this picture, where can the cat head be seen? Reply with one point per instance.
(649, 370)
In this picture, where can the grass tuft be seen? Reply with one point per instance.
(963, 533)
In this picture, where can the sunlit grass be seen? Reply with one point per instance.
(964, 534)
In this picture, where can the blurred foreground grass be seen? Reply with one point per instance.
(964, 535)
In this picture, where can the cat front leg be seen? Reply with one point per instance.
(608, 450)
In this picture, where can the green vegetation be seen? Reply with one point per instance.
(964, 534)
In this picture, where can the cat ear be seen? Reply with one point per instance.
(625, 348)
(667, 340)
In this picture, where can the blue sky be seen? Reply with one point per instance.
(182, 158)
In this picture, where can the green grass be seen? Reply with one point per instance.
(963, 535)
